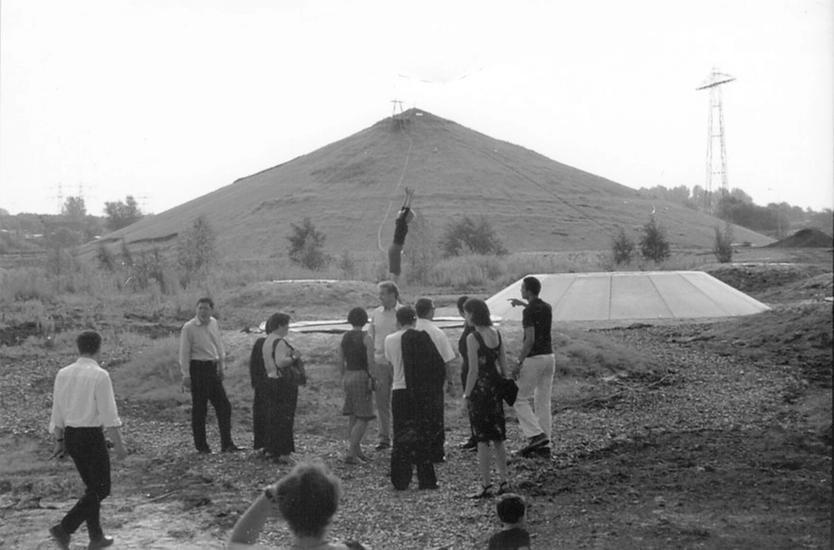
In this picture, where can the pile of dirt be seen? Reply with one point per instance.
(758, 277)
(805, 238)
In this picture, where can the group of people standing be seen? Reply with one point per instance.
(402, 359)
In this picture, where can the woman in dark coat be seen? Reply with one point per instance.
(260, 404)
(282, 391)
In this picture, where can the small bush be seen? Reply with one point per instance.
(653, 244)
(468, 236)
(622, 247)
(307, 246)
(723, 245)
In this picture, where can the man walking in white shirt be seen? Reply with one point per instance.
(201, 363)
(83, 404)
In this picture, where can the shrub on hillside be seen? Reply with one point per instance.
(653, 244)
(622, 247)
(723, 245)
(196, 250)
(307, 245)
(468, 236)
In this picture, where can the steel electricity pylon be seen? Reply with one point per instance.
(716, 168)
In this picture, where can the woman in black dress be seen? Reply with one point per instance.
(282, 392)
(470, 444)
(487, 364)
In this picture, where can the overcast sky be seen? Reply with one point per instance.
(170, 99)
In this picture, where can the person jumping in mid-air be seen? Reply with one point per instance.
(404, 216)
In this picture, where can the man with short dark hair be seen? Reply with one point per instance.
(536, 367)
(202, 360)
(82, 404)
(416, 368)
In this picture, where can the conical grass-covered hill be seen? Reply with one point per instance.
(352, 188)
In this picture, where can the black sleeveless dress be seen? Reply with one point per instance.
(486, 410)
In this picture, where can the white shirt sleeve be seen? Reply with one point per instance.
(106, 403)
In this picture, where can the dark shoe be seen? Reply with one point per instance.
(540, 452)
(204, 450)
(61, 537)
(351, 460)
(534, 443)
(363, 458)
(382, 445)
(503, 487)
(101, 542)
(469, 445)
(485, 492)
(232, 448)
(440, 459)
(429, 487)
(282, 459)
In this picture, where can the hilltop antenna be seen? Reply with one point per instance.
(715, 170)
(397, 112)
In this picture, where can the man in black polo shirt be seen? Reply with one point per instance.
(536, 366)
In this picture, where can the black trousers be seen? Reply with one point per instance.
(412, 442)
(206, 386)
(281, 401)
(260, 411)
(88, 450)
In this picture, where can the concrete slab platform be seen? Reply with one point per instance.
(640, 295)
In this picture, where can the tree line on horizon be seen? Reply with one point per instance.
(737, 207)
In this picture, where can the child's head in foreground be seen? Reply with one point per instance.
(511, 508)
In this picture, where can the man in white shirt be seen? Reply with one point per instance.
(425, 314)
(383, 321)
(83, 404)
(202, 360)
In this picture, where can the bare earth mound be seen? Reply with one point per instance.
(805, 238)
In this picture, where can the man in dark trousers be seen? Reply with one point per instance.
(201, 364)
(83, 406)
(536, 367)
(418, 370)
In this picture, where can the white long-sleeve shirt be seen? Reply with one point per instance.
(83, 397)
(200, 342)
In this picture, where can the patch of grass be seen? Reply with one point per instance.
(583, 355)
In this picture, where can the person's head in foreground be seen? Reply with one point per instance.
(511, 509)
(306, 498)
(357, 317)
(88, 343)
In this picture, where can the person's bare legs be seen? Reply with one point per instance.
(357, 432)
(349, 438)
(501, 460)
(485, 463)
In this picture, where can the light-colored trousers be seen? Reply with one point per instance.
(535, 381)
(384, 374)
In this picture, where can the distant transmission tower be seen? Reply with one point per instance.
(397, 112)
(716, 168)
